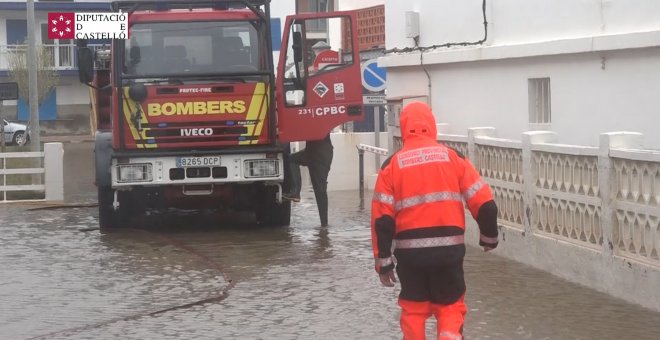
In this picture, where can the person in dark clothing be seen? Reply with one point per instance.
(317, 157)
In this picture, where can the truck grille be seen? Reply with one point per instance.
(177, 174)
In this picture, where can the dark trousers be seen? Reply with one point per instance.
(441, 284)
(318, 174)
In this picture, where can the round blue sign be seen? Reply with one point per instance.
(373, 77)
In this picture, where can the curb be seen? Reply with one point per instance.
(67, 139)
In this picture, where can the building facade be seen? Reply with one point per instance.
(578, 68)
(66, 109)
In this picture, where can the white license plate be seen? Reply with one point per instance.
(184, 162)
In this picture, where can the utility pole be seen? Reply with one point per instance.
(32, 79)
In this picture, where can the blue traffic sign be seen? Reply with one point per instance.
(373, 77)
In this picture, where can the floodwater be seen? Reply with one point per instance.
(199, 279)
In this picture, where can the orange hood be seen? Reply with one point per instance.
(417, 121)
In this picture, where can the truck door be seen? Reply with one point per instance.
(318, 77)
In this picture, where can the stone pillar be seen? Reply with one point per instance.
(54, 171)
(529, 177)
(473, 133)
(606, 181)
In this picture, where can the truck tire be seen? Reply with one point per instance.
(271, 213)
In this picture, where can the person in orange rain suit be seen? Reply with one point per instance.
(418, 204)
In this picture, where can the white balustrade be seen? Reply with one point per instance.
(604, 198)
(567, 194)
(499, 161)
(636, 192)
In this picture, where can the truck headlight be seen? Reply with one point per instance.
(134, 173)
(262, 168)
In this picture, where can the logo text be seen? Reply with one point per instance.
(196, 108)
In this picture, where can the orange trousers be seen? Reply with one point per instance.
(449, 317)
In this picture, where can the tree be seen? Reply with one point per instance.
(47, 77)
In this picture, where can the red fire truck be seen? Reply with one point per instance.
(190, 113)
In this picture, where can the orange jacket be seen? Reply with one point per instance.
(420, 190)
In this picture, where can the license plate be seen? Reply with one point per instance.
(183, 162)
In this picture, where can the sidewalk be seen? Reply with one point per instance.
(67, 139)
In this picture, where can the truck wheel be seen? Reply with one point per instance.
(271, 213)
(109, 218)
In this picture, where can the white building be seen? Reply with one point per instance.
(66, 109)
(578, 68)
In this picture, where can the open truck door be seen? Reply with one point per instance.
(318, 77)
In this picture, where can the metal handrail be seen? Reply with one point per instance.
(362, 148)
(6, 172)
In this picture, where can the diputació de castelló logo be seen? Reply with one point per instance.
(72, 25)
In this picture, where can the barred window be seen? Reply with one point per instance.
(539, 101)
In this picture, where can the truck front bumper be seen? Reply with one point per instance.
(207, 169)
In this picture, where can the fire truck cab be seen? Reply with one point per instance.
(190, 113)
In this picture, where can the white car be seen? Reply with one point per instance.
(15, 133)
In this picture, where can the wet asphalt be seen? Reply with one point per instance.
(196, 277)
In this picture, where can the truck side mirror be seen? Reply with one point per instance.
(297, 47)
(85, 65)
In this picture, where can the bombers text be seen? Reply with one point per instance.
(196, 108)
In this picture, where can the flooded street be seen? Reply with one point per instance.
(61, 278)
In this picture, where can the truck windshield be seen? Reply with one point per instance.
(175, 48)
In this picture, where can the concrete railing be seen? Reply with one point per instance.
(588, 214)
(52, 172)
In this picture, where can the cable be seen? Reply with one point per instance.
(421, 63)
(218, 297)
(426, 48)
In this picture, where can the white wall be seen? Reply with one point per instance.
(589, 94)
(598, 84)
(515, 21)
(71, 92)
(344, 172)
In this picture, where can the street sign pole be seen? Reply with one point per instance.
(377, 133)
(374, 81)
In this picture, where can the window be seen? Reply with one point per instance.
(60, 51)
(320, 5)
(196, 48)
(317, 56)
(314, 6)
(539, 100)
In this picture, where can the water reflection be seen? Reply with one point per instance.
(297, 282)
